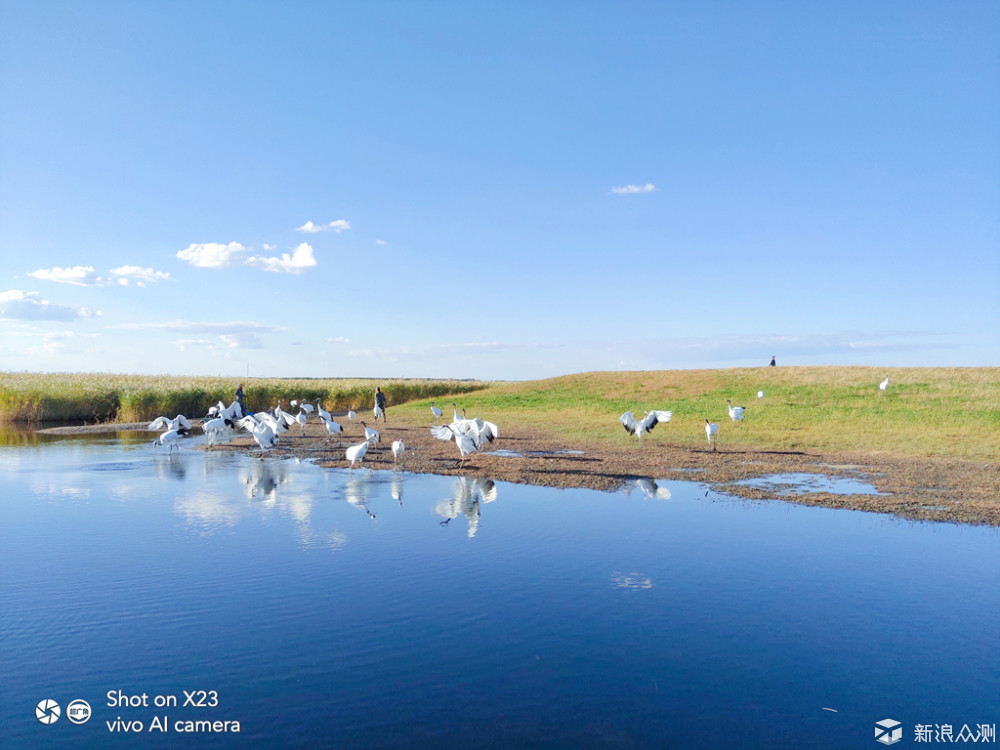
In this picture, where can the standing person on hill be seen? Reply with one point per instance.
(239, 399)
(379, 404)
(773, 363)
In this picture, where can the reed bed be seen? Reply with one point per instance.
(97, 397)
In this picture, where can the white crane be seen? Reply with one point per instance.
(466, 441)
(635, 426)
(884, 385)
(162, 423)
(435, 410)
(351, 415)
(485, 430)
(283, 418)
(480, 430)
(263, 435)
(170, 438)
(760, 394)
(735, 412)
(371, 436)
(356, 453)
(332, 428)
(712, 430)
(277, 425)
(303, 406)
(233, 411)
(302, 421)
(217, 429)
(398, 447)
(321, 412)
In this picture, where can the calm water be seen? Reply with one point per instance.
(384, 609)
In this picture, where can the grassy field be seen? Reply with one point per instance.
(947, 412)
(93, 397)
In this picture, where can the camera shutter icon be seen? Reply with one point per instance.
(47, 711)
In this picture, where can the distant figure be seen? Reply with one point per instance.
(379, 404)
(773, 363)
(239, 398)
(884, 385)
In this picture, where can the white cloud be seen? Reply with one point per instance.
(214, 255)
(29, 306)
(242, 341)
(338, 340)
(337, 226)
(77, 275)
(235, 327)
(301, 258)
(649, 187)
(381, 242)
(217, 255)
(139, 275)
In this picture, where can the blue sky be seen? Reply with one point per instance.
(497, 190)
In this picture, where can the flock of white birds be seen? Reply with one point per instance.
(468, 434)
(267, 427)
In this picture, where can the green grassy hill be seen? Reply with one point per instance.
(953, 412)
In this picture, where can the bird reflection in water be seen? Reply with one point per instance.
(170, 466)
(648, 487)
(358, 492)
(467, 496)
(262, 479)
(397, 488)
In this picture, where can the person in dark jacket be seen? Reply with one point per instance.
(773, 363)
(239, 398)
(379, 404)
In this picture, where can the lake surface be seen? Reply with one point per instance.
(330, 608)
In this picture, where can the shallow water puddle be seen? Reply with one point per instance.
(798, 482)
(504, 453)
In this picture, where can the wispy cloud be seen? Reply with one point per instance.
(87, 276)
(381, 242)
(214, 255)
(301, 258)
(19, 305)
(76, 275)
(338, 340)
(202, 327)
(242, 340)
(428, 350)
(230, 335)
(337, 226)
(737, 350)
(185, 344)
(222, 343)
(138, 275)
(649, 187)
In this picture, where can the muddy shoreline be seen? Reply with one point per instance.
(931, 489)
